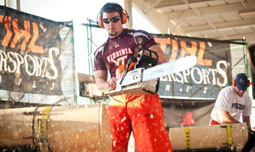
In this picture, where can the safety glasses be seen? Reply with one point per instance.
(114, 20)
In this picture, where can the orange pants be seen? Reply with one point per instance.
(142, 114)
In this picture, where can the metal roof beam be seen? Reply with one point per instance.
(248, 37)
(224, 25)
(206, 11)
(171, 3)
(157, 19)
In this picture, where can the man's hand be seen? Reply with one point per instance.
(111, 84)
(102, 83)
(246, 119)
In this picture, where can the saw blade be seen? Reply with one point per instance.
(169, 68)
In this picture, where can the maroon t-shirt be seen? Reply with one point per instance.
(116, 51)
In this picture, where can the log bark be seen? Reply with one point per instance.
(209, 137)
(59, 128)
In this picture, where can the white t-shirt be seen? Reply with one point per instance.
(229, 100)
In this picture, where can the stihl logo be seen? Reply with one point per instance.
(24, 36)
(197, 49)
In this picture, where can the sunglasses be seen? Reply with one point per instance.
(114, 20)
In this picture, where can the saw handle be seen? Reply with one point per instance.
(128, 67)
(147, 58)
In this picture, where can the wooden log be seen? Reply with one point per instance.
(59, 128)
(208, 137)
(88, 87)
(85, 78)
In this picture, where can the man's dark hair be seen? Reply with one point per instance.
(111, 7)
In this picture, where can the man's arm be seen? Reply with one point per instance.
(101, 81)
(226, 118)
(161, 55)
(247, 120)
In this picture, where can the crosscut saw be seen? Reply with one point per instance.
(144, 76)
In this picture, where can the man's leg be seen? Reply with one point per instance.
(119, 124)
(146, 115)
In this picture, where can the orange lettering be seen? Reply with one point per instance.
(184, 50)
(174, 50)
(7, 26)
(20, 33)
(25, 34)
(188, 50)
(201, 52)
(32, 47)
(163, 43)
